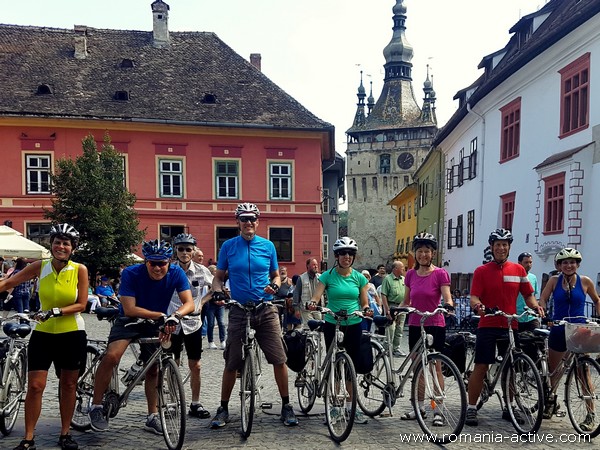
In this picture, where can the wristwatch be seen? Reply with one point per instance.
(56, 312)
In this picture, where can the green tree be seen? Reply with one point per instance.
(90, 195)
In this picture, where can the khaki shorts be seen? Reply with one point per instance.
(265, 321)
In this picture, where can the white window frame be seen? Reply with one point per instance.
(167, 170)
(228, 179)
(39, 171)
(279, 181)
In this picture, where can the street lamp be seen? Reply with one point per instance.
(334, 215)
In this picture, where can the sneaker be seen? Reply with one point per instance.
(97, 420)
(359, 417)
(438, 420)
(220, 419)
(472, 417)
(287, 416)
(212, 346)
(26, 445)
(153, 424)
(518, 418)
(588, 424)
(398, 353)
(223, 345)
(66, 442)
(197, 410)
(335, 415)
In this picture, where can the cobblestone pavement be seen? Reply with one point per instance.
(126, 430)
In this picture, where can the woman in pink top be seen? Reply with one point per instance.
(426, 284)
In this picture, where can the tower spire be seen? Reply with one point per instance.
(359, 117)
(428, 109)
(370, 100)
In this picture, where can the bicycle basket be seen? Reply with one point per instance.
(582, 337)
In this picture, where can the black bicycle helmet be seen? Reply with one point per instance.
(500, 234)
(424, 239)
(157, 250)
(65, 231)
(184, 238)
(568, 253)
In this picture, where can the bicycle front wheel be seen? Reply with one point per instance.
(85, 391)
(440, 387)
(248, 393)
(375, 390)
(582, 391)
(523, 394)
(14, 390)
(306, 380)
(171, 404)
(340, 389)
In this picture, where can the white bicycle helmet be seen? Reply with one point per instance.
(184, 238)
(345, 243)
(568, 253)
(246, 209)
(65, 231)
(424, 239)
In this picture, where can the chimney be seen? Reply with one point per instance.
(255, 60)
(80, 41)
(160, 13)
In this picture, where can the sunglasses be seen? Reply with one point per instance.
(185, 249)
(158, 263)
(248, 219)
(345, 252)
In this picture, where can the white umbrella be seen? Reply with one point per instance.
(12, 243)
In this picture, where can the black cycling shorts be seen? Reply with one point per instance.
(65, 350)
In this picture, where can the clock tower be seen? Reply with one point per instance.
(385, 146)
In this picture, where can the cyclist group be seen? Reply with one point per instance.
(167, 292)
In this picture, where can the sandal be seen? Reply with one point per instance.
(410, 415)
(438, 420)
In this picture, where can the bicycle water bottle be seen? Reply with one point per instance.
(132, 371)
(496, 366)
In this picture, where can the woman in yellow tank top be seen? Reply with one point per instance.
(60, 337)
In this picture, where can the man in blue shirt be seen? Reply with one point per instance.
(146, 291)
(251, 262)
(105, 292)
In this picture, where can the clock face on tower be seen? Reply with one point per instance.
(406, 160)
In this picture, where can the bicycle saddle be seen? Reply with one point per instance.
(381, 321)
(14, 330)
(314, 324)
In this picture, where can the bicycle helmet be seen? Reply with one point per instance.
(246, 209)
(424, 239)
(65, 231)
(500, 234)
(184, 238)
(345, 243)
(568, 253)
(157, 250)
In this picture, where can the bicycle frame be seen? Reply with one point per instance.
(15, 346)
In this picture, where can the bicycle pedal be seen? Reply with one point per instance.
(300, 383)
(266, 405)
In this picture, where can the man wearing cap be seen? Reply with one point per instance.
(105, 292)
(251, 262)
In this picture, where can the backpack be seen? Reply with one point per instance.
(455, 348)
(295, 349)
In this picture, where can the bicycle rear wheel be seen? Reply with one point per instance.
(85, 390)
(15, 390)
(171, 404)
(306, 381)
(374, 387)
(523, 394)
(582, 391)
(248, 393)
(440, 386)
(340, 388)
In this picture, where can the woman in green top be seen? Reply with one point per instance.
(346, 290)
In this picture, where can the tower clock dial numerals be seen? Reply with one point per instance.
(406, 160)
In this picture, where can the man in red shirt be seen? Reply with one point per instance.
(495, 285)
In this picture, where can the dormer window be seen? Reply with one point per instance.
(121, 96)
(126, 63)
(209, 99)
(43, 89)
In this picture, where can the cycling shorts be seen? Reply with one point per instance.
(65, 350)
(193, 344)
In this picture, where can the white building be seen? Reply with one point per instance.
(521, 152)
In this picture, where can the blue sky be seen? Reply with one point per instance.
(315, 49)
